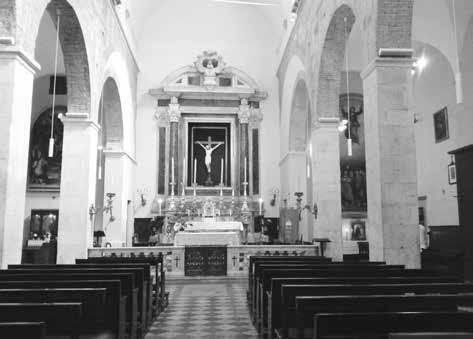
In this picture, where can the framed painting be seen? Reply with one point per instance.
(44, 172)
(441, 125)
(452, 174)
(358, 230)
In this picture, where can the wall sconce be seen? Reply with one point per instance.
(143, 192)
(275, 194)
(106, 209)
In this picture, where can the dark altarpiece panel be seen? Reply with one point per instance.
(205, 260)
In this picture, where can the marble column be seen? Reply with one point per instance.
(391, 174)
(16, 87)
(118, 170)
(244, 117)
(174, 113)
(326, 185)
(78, 180)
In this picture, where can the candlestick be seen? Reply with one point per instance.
(195, 172)
(172, 169)
(221, 172)
(260, 206)
(233, 192)
(245, 170)
(160, 202)
(184, 171)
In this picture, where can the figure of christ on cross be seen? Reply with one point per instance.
(208, 151)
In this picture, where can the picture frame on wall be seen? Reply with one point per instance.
(452, 174)
(441, 131)
(358, 230)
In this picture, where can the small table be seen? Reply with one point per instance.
(322, 242)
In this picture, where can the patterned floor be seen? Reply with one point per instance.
(205, 309)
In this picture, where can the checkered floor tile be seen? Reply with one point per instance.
(213, 309)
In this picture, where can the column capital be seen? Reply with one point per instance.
(27, 60)
(255, 116)
(244, 111)
(386, 63)
(326, 122)
(79, 119)
(174, 110)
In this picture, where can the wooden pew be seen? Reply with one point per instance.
(283, 291)
(157, 273)
(307, 307)
(138, 274)
(259, 268)
(115, 316)
(286, 314)
(144, 299)
(30, 330)
(127, 286)
(380, 324)
(267, 273)
(93, 302)
(433, 335)
(60, 318)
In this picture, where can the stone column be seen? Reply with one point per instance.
(118, 169)
(244, 117)
(16, 87)
(326, 182)
(392, 227)
(174, 113)
(79, 160)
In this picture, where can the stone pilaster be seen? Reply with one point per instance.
(118, 171)
(174, 113)
(391, 175)
(16, 86)
(244, 118)
(78, 180)
(326, 182)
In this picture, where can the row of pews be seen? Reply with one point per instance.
(107, 297)
(312, 297)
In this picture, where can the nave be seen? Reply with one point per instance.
(205, 308)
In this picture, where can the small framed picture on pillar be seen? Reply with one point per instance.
(452, 173)
(441, 125)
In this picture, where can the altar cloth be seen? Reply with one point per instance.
(207, 238)
(215, 226)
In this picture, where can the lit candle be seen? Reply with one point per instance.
(233, 192)
(172, 170)
(195, 171)
(221, 172)
(245, 170)
(160, 202)
(260, 206)
(184, 171)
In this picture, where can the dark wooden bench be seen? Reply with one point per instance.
(281, 299)
(157, 273)
(145, 299)
(60, 318)
(115, 316)
(264, 281)
(127, 287)
(308, 306)
(380, 324)
(434, 335)
(30, 330)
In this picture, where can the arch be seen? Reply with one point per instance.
(294, 73)
(299, 119)
(110, 115)
(331, 62)
(75, 55)
(116, 69)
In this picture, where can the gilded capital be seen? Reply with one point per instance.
(244, 112)
(174, 110)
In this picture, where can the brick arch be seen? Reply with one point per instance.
(300, 120)
(331, 61)
(75, 53)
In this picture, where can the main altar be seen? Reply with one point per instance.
(208, 181)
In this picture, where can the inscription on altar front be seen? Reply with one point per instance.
(205, 261)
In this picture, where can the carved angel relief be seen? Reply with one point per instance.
(210, 64)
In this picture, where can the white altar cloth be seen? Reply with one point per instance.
(215, 226)
(207, 238)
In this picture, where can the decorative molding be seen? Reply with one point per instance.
(79, 118)
(174, 111)
(292, 154)
(326, 122)
(244, 112)
(256, 116)
(22, 56)
(118, 153)
(387, 62)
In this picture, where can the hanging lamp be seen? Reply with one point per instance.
(53, 111)
(349, 141)
(100, 146)
(458, 75)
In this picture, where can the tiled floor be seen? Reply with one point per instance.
(205, 309)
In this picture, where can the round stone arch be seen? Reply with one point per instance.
(74, 49)
(300, 119)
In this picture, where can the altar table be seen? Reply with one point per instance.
(204, 226)
(207, 238)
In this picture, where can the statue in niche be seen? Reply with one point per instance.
(354, 123)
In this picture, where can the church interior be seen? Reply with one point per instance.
(229, 168)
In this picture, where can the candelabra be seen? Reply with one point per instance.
(106, 209)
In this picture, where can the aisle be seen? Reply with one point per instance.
(205, 309)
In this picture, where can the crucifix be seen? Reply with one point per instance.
(209, 147)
